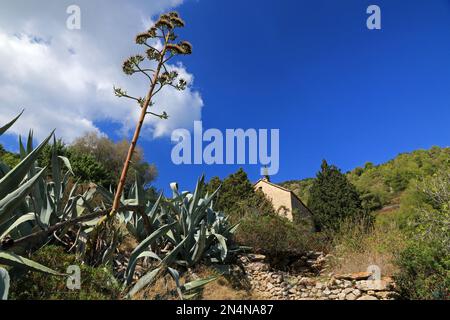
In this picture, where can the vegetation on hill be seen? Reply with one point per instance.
(383, 185)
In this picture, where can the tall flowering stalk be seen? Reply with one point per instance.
(158, 74)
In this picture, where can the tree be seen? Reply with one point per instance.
(111, 156)
(333, 199)
(159, 51)
(88, 169)
(237, 197)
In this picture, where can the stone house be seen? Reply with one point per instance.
(285, 202)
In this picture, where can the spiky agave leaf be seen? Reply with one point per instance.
(15, 176)
(9, 124)
(13, 260)
(4, 284)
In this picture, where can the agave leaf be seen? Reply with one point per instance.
(12, 200)
(13, 260)
(4, 284)
(144, 281)
(56, 175)
(66, 162)
(107, 195)
(196, 284)
(139, 190)
(14, 177)
(233, 229)
(201, 243)
(9, 124)
(132, 265)
(30, 142)
(197, 193)
(171, 257)
(176, 277)
(4, 169)
(174, 187)
(143, 246)
(222, 246)
(22, 151)
(155, 207)
(27, 217)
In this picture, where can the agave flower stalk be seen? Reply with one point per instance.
(159, 77)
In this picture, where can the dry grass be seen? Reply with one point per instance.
(355, 249)
(223, 288)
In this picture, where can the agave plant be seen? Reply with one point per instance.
(15, 185)
(191, 229)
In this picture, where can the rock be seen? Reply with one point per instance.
(350, 296)
(319, 286)
(384, 284)
(335, 291)
(348, 284)
(256, 257)
(356, 292)
(367, 297)
(385, 295)
(327, 292)
(354, 276)
(341, 296)
(347, 291)
(307, 281)
(270, 286)
(258, 266)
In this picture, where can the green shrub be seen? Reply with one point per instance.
(237, 197)
(424, 271)
(274, 236)
(425, 263)
(96, 283)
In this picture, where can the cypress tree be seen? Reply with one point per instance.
(333, 198)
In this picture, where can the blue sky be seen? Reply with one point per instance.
(312, 69)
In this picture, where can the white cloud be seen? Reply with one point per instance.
(64, 78)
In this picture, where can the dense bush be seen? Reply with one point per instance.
(96, 283)
(425, 263)
(424, 271)
(274, 236)
(237, 197)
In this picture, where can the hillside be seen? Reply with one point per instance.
(382, 186)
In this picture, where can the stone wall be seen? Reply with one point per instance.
(311, 284)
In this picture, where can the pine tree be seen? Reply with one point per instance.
(333, 199)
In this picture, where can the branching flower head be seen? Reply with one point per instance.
(142, 38)
(183, 48)
(130, 64)
(153, 54)
(182, 84)
(164, 23)
(119, 92)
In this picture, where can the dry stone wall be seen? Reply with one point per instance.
(310, 284)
